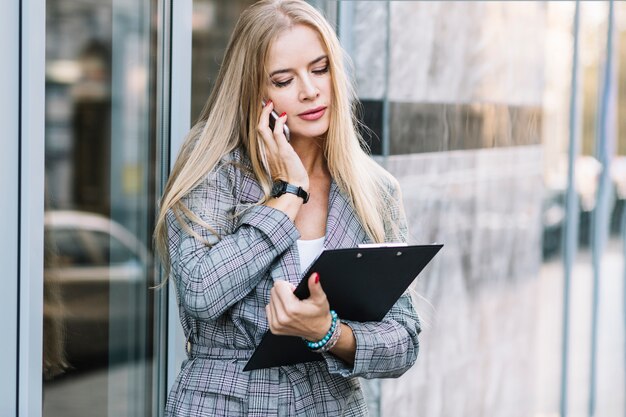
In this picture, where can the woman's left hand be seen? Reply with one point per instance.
(289, 316)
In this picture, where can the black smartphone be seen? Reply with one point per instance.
(273, 117)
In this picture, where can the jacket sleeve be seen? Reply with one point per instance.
(388, 348)
(210, 279)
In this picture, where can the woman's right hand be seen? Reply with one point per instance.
(284, 163)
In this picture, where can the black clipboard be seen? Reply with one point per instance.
(362, 284)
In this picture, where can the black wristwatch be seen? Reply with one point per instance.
(281, 187)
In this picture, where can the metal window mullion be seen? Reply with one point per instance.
(345, 17)
(163, 59)
(623, 221)
(570, 235)
(600, 216)
(9, 204)
(180, 100)
(31, 226)
(386, 145)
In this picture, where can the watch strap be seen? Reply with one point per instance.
(281, 187)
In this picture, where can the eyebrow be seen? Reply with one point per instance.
(315, 61)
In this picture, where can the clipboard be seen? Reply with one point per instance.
(361, 284)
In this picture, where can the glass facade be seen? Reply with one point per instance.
(471, 104)
(100, 201)
(213, 22)
(504, 123)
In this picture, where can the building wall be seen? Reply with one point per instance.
(465, 86)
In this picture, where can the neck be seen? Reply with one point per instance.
(311, 153)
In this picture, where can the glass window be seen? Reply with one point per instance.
(213, 22)
(113, 250)
(70, 250)
(100, 160)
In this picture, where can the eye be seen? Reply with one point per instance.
(321, 70)
(281, 84)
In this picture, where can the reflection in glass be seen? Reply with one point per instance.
(212, 23)
(100, 165)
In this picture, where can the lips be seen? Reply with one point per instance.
(313, 114)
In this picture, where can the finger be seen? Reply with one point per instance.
(315, 287)
(284, 287)
(272, 315)
(279, 134)
(264, 126)
(268, 314)
(275, 301)
(275, 311)
(283, 294)
(264, 120)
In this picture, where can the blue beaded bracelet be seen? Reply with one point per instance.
(321, 344)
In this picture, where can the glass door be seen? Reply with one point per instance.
(101, 182)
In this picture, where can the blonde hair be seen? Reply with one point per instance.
(232, 111)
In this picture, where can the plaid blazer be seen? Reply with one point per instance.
(222, 292)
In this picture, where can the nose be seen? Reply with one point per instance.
(308, 89)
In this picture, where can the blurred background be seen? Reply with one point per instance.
(501, 120)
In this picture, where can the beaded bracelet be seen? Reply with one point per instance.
(332, 341)
(331, 337)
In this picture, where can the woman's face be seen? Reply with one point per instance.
(299, 81)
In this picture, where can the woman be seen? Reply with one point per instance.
(236, 244)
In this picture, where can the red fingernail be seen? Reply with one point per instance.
(317, 277)
(282, 114)
(268, 103)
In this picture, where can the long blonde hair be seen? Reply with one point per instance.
(232, 111)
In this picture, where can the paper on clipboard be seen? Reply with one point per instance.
(382, 245)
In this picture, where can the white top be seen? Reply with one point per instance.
(309, 250)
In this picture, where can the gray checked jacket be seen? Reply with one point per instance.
(222, 292)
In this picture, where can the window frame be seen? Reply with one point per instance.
(9, 204)
(31, 205)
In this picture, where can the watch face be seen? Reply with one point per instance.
(278, 188)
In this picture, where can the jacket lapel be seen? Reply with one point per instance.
(343, 228)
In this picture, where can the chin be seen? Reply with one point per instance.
(312, 131)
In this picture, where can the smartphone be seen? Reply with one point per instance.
(273, 117)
